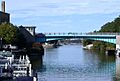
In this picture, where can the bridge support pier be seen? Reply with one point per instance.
(118, 45)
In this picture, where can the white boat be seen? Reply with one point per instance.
(118, 52)
(20, 67)
(47, 45)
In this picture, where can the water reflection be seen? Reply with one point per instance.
(72, 63)
(118, 68)
(36, 61)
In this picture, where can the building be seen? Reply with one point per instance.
(4, 17)
(30, 29)
(28, 32)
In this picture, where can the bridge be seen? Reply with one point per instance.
(106, 37)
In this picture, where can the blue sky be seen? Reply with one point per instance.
(63, 15)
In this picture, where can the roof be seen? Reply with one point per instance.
(27, 26)
(4, 13)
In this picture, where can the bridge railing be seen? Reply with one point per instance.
(70, 33)
(105, 33)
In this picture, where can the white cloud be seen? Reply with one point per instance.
(38, 11)
(61, 7)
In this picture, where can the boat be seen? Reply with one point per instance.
(118, 52)
(47, 45)
(11, 68)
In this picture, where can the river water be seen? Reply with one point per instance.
(72, 63)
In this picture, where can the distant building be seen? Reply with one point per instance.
(4, 17)
(30, 29)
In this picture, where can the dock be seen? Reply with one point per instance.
(12, 69)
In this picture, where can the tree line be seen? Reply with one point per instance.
(109, 27)
(113, 26)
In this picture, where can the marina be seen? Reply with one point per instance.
(15, 69)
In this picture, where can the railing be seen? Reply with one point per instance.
(5, 53)
(70, 33)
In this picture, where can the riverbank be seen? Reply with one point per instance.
(106, 50)
(98, 45)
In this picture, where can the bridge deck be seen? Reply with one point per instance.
(107, 37)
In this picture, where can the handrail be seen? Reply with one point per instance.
(106, 33)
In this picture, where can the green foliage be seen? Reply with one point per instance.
(12, 35)
(8, 32)
(113, 26)
(98, 45)
(102, 46)
(86, 42)
(110, 46)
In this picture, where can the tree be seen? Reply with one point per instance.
(8, 32)
(86, 42)
(112, 27)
